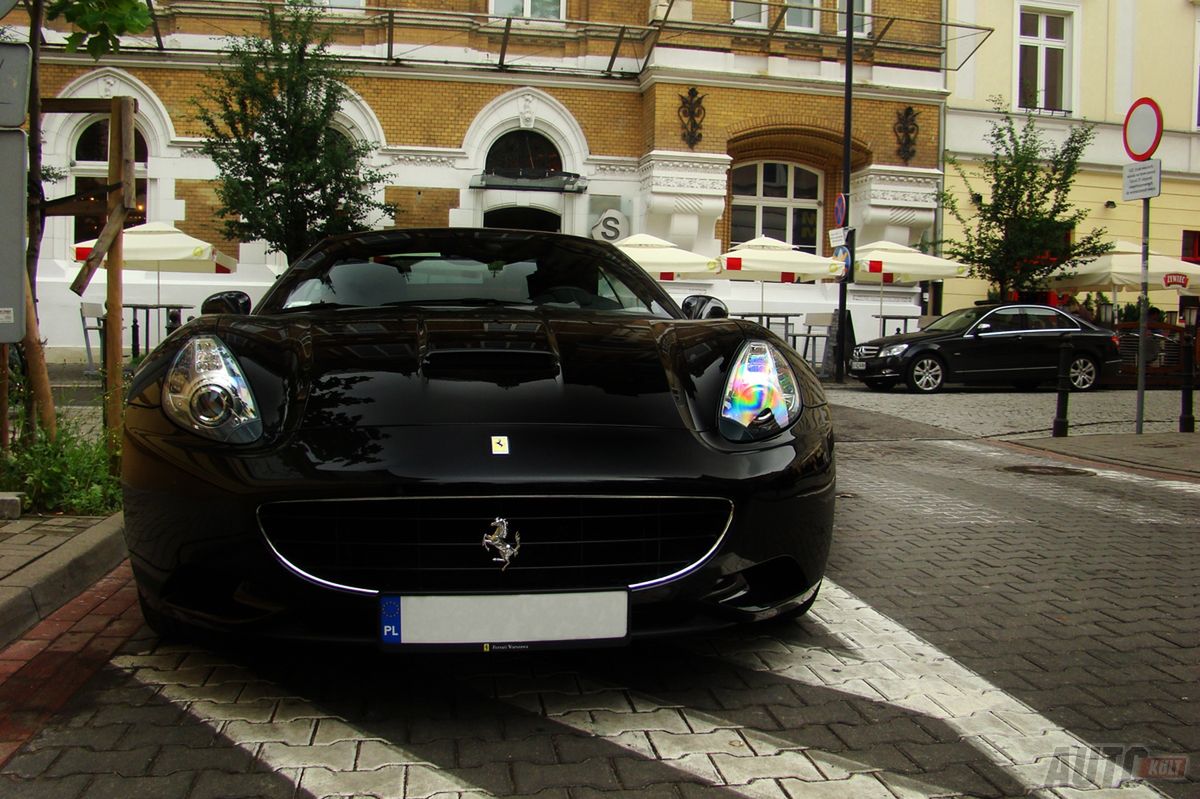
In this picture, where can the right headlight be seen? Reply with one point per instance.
(892, 349)
(762, 395)
(205, 392)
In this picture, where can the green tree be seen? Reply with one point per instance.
(1023, 226)
(286, 175)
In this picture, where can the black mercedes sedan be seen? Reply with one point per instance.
(1014, 344)
(473, 439)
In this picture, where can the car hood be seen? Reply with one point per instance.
(495, 367)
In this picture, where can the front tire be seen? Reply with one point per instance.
(1084, 374)
(926, 374)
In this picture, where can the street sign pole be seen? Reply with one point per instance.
(1142, 180)
(843, 317)
(1143, 319)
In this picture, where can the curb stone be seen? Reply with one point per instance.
(32, 593)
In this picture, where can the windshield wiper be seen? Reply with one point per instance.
(471, 302)
(322, 305)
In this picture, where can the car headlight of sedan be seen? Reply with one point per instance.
(205, 392)
(892, 349)
(762, 395)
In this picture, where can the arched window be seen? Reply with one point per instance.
(775, 199)
(89, 168)
(523, 154)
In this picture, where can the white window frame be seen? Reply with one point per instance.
(866, 20)
(1073, 11)
(767, 12)
(1196, 76)
(526, 11)
(99, 169)
(758, 201)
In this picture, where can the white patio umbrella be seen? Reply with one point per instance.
(765, 258)
(769, 260)
(1122, 269)
(874, 261)
(665, 260)
(159, 247)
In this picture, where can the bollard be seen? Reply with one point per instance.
(1187, 422)
(1059, 429)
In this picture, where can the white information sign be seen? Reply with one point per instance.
(837, 237)
(14, 83)
(1141, 180)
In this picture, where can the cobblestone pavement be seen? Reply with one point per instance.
(976, 412)
(996, 624)
(24, 540)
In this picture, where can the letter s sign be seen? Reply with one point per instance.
(611, 226)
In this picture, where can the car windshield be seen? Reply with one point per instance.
(957, 321)
(470, 269)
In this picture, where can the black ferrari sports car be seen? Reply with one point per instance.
(477, 439)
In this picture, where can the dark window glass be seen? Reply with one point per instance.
(1191, 246)
(1027, 86)
(89, 226)
(1029, 24)
(745, 180)
(775, 179)
(804, 229)
(93, 144)
(1056, 27)
(523, 153)
(742, 225)
(1054, 79)
(1005, 319)
(804, 184)
(774, 222)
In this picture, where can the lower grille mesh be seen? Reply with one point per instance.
(436, 544)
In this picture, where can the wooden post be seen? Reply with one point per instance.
(114, 350)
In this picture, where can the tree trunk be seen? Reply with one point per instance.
(41, 398)
(35, 215)
(39, 377)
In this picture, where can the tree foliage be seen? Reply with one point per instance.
(286, 175)
(1023, 226)
(101, 23)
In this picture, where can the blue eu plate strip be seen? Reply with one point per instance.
(389, 619)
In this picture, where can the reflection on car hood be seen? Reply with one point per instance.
(911, 338)
(503, 366)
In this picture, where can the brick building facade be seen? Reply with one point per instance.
(603, 85)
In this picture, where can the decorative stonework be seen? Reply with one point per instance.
(416, 159)
(526, 114)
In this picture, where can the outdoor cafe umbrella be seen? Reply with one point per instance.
(664, 260)
(159, 247)
(877, 260)
(766, 259)
(1122, 269)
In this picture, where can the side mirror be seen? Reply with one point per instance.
(701, 306)
(982, 327)
(234, 302)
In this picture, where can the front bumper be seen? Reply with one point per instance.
(200, 556)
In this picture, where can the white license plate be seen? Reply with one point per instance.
(858, 364)
(494, 621)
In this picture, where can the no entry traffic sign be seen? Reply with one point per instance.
(1143, 129)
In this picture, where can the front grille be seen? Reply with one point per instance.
(436, 544)
(864, 351)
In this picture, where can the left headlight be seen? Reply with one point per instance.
(762, 395)
(205, 392)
